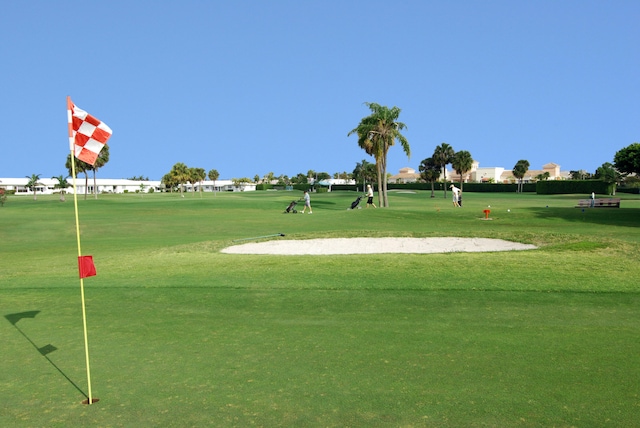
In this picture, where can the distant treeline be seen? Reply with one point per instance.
(543, 187)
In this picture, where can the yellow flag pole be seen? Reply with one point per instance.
(75, 206)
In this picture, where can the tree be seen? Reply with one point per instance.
(283, 180)
(300, 178)
(196, 175)
(179, 175)
(364, 172)
(213, 176)
(81, 167)
(608, 173)
(519, 170)
(101, 160)
(169, 182)
(442, 155)
(322, 176)
(269, 177)
(462, 162)
(62, 184)
(376, 134)
(32, 184)
(543, 177)
(627, 160)
(579, 175)
(429, 172)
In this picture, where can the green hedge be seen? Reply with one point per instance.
(632, 190)
(558, 187)
(467, 187)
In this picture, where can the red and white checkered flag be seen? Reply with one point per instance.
(87, 135)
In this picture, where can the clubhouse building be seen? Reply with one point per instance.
(486, 175)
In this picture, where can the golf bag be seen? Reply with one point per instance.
(355, 203)
(291, 208)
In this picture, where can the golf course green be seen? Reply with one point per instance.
(181, 334)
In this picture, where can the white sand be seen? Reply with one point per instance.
(376, 245)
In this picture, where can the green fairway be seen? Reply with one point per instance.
(183, 335)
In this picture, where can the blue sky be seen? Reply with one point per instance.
(252, 87)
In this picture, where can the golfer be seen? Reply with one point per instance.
(370, 197)
(307, 202)
(456, 195)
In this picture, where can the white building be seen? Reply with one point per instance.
(109, 185)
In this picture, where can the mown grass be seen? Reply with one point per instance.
(183, 335)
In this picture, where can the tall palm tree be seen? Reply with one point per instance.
(519, 170)
(62, 184)
(81, 167)
(196, 175)
(429, 172)
(376, 134)
(180, 175)
(462, 162)
(32, 184)
(442, 155)
(213, 176)
(101, 160)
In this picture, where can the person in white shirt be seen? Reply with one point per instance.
(370, 196)
(456, 195)
(307, 202)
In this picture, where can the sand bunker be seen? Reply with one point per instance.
(376, 245)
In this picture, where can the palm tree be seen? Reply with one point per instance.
(462, 162)
(364, 172)
(519, 170)
(213, 176)
(32, 184)
(442, 155)
(429, 172)
(270, 176)
(62, 184)
(196, 175)
(376, 134)
(169, 182)
(544, 176)
(180, 175)
(101, 160)
(81, 167)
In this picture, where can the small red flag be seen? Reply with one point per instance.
(86, 266)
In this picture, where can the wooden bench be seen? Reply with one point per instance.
(599, 203)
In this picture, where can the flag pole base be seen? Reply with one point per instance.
(93, 400)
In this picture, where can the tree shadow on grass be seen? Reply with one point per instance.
(629, 217)
(43, 350)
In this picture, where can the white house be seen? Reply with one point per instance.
(487, 174)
